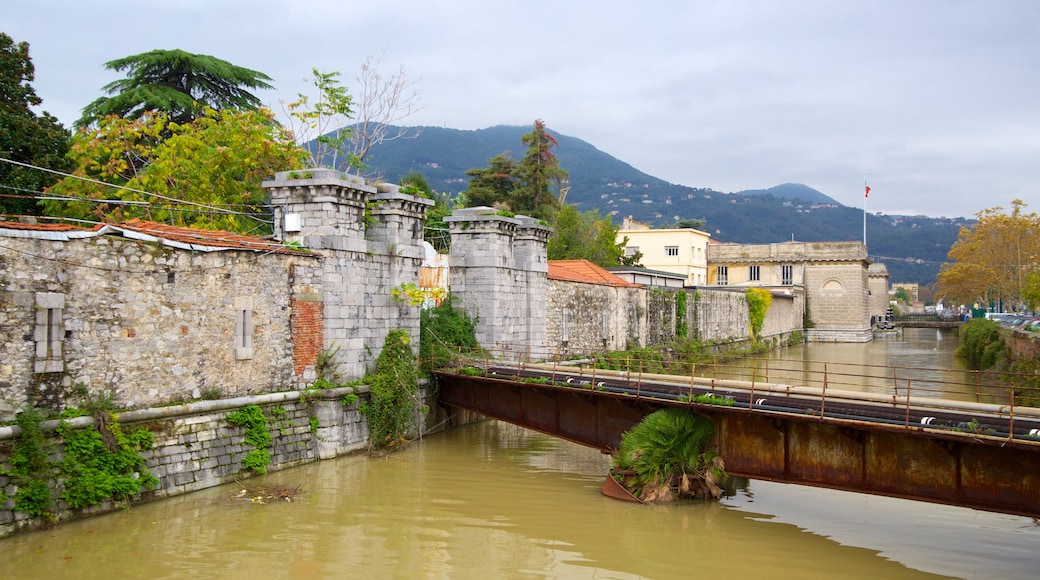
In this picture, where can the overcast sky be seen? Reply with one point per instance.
(937, 101)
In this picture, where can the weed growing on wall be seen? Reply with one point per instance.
(252, 419)
(393, 393)
(30, 468)
(104, 463)
(758, 300)
(445, 329)
(681, 328)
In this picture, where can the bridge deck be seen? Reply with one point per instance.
(968, 453)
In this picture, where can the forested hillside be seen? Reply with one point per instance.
(911, 247)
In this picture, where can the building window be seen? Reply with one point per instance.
(243, 327)
(787, 274)
(49, 332)
(631, 251)
(755, 273)
(565, 334)
(723, 275)
(671, 250)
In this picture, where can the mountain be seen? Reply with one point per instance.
(793, 191)
(912, 247)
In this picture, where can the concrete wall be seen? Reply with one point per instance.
(196, 447)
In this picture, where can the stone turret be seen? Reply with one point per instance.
(363, 260)
(498, 273)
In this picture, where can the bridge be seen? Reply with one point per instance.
(932, 439)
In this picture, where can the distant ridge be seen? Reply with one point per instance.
(912, 247)
(793, 191)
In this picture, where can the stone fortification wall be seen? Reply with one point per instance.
(877, 280)
(587, 318)
(660, 316)
(144, 319)
(787, 252)
(498, 275)
(196, 447)
(785, 314)
(839, 304)
(363, 260)
(140, 322)
(719, 315)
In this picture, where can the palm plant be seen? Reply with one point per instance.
(669, 454)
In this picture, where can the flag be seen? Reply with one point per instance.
(866, 190)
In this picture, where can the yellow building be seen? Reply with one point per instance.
(681, 251)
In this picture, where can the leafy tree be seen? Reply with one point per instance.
(436, 230)
(901, 295)
(492, 185)
(992, 260)
(585, 236)
(204, 174)
(690, 223)
(324, 121)
(536, 173)
(520, 186)
(1031, 293)
(176, 82)
(24, 136)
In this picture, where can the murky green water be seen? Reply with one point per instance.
(496, 501)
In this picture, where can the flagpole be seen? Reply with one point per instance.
(866, 194)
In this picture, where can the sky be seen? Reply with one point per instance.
(933, 103)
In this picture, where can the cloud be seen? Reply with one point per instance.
(934, 100)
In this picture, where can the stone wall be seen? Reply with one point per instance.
(719, 315)
(498, 275)
(839, 304)
(587, 318)
(660, 316)
(147, 319)
(140, 322)
(363, 260)
(196, 447)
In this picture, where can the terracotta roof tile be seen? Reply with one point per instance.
(45, 227)
(586, 272)
(216, 239)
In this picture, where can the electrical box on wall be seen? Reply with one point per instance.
(292, 222)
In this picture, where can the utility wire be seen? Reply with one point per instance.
(94, 181)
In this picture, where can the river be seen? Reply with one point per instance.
(492, 500)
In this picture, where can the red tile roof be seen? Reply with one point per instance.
(46, 227)
(193, 238)
(586, 272)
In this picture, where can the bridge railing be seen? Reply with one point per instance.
(942, 389)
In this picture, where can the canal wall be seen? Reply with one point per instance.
(196, 447)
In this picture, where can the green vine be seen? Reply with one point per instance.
(681, 329)
(391, 408)
(758, 300)
(30, 468)
(258, 435)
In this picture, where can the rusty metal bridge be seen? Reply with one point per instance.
(933, 438)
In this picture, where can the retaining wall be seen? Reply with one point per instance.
(196, 447)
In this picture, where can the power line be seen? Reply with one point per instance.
(122, 187)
